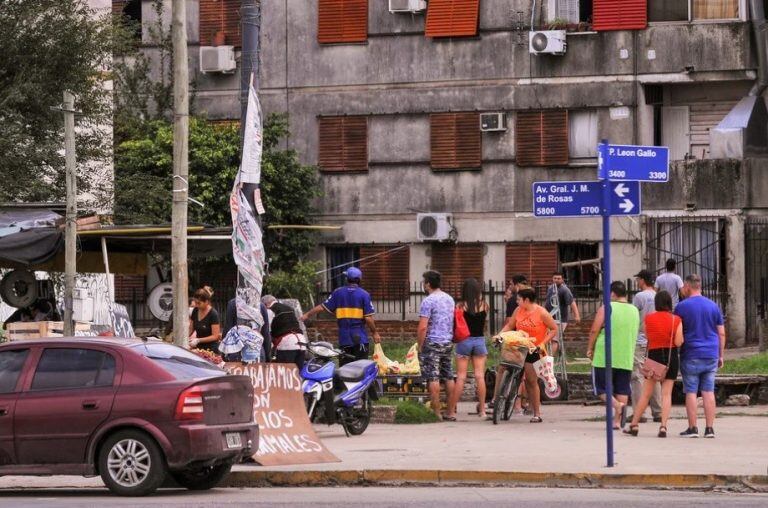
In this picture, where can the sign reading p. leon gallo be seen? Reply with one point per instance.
(286, 435)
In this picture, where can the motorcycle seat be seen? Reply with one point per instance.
(354, 371)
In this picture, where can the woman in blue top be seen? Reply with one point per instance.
(472, 348)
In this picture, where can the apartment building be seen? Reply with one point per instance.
(430, 120)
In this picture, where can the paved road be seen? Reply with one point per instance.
(386, 497)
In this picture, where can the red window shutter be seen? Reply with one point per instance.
(452, 18)
(386, 271)
(342, 21)
(619, 15)
(536, 260)
(541, 138)
(455, 141)
(343, 143)
(456, 263)
(220, 16)
(118, 6)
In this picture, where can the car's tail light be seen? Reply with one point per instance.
(190, 404)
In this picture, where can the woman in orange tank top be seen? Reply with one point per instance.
(534, 320)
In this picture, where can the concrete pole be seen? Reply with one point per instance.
(180, 172)
(70, 232)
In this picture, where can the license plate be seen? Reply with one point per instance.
(233, 440)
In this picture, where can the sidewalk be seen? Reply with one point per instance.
(568, 449)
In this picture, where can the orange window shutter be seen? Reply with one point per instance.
(385, 270)
(355, 144)
(455, 141)
(528, 149)
(536, 260)
(456, 263)
(342, 21)
(541, 138)
(619, 15)
(452, 18)
(343, 143)
(220, 16)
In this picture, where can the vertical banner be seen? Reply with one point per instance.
(247, 245)
(285, 434)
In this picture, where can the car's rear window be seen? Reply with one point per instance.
(179, 362)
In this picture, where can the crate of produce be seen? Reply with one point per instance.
(26, 330)
(395, 385)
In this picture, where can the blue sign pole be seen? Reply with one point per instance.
(606, 213)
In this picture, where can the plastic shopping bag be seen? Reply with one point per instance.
(412, 365)
(545, 370)
(385, 365)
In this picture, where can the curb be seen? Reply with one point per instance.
(394, 477)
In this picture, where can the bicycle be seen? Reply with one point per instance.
(513, 363)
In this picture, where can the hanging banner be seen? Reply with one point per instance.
(286, 435)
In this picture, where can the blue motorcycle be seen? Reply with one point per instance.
(341, 395)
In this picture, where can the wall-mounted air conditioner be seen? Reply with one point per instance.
(493, 122)
(434, 227)
(409, 6)
(217, 59)
(547, 42)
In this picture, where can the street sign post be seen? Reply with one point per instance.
(584, 199)
(634, 163)
(620, 169)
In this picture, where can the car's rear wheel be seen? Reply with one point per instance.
(202, 478)
(132, 464)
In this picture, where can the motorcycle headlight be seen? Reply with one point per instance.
(324, 351)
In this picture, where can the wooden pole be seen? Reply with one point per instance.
(70, 233)
(180, 172)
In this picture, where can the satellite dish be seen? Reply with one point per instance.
(160, 301)
(19, 288)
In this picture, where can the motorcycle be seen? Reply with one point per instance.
(341, 395)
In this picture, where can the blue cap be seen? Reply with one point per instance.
(353, 273)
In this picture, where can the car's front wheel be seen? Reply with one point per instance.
(132, 464)
(203, 478)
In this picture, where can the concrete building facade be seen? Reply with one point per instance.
(388, 106)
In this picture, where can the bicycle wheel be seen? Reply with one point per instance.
(509, 405)
(501, 397)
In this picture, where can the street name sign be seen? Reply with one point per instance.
(633, 163)
(584, 199)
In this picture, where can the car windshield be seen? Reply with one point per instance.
(178, 361)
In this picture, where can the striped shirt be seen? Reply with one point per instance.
(350, 304)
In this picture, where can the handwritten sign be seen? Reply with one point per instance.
(121, 323)
(286, 435)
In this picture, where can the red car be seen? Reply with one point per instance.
(132, 411)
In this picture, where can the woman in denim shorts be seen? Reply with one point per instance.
(472, 348)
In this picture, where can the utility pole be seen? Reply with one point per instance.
(180, 172)
(70, 232)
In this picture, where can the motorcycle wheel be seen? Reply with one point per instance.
(359, 419)
(309, 399)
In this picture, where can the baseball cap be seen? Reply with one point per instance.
(646, 275)
(353, 273)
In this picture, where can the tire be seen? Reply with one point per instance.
(511, 397)
(501, 398)
(132, 464)
(360, 418)
(202, 479)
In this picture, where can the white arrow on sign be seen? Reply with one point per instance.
(627, 205)
(621, 191)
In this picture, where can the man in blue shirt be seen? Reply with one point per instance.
(701, 354)
(353, 309)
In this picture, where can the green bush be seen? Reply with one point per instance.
(413, 412)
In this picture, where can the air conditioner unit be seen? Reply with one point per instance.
(493, 122)
(217, 59)
(434, 227)
(547, 42)
(410, 6)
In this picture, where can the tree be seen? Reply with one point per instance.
(50, 46)
(143, 169)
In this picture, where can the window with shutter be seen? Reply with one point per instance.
(386, 270)
(455, 141)
(582, 134)
(457, 262)
(343, 143)
(536, 260)
(342, 21)
(619, 15)
(542, 138)
(220, 16)
(452, 18)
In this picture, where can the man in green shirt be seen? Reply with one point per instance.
(625, 323)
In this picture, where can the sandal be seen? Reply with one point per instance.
(633, 430)
(662, 431)
(536, 419)
(447, 418)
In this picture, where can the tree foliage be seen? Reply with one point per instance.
(50, 46)
(143, 169)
